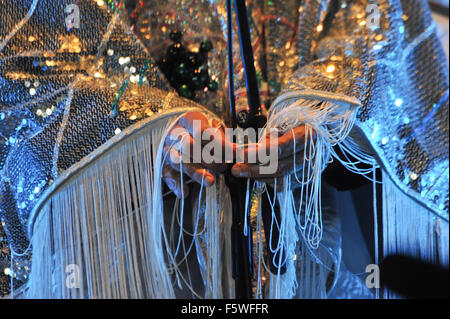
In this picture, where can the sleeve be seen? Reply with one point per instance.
(336, 44)
(339, 45)
(64, 94)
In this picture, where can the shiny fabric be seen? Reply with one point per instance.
(58, 89)
(59, 86)
(275, 56)
(399, 73)
(385, 54)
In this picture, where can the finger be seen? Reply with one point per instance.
(194, 171)
(272, 170)
(227, 142)
(218, 124)
(172, 179)
(293, 141)
(180, 139)
(204, 134)
(187, 147)
(218, 148)
(281, 147)
(195, 123)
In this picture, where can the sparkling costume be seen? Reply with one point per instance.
(61, 87)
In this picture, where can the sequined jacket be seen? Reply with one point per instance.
(383, 55)
(59, 83)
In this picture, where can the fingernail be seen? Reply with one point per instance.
(209, 179)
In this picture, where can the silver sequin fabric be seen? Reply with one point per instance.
(388, 56)
(59, 86)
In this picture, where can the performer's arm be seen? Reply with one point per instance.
(336, 46)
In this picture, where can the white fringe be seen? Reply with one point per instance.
(410, 229)
(284, 286)
(102, 235)
(327, 124)
(108, 224)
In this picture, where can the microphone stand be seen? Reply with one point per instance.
(241, 245)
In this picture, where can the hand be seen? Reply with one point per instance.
(181, 153)
(288, 149)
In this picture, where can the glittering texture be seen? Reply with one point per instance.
(197, 21)
(273, 27)
(58, 89)
(5, 263)
(398, 72)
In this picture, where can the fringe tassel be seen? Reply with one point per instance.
(327, 124)
(209, 242)
(307, 270)
(103, 234)
(427, 236)
(410, 229)
(284, 286)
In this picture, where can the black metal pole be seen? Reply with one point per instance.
(230, 64)
(257, 120)
(241, 244)
(248, 59)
